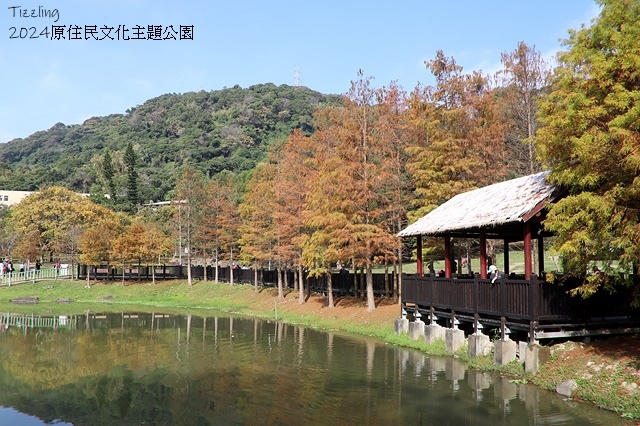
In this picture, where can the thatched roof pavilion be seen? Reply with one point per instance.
(512, 211)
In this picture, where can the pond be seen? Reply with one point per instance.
(186, 370)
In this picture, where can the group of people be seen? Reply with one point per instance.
(494, 273)
(6, 267)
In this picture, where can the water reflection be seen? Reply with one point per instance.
(164, 369)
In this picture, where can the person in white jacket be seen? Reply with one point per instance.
(494, 273)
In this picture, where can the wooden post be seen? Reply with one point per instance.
(419, 266)
(476, 297)
(534, 306)
(483, 255)
(447, 256)
(506, 257)
(540, 254)
(527, 251)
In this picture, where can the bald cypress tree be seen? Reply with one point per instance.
(525, 76)
(349, 199)
(591, 142)
(458, 134)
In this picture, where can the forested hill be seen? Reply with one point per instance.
(227, 129)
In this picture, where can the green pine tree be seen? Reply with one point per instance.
(590, 141)
(132, 177)
(108, 173)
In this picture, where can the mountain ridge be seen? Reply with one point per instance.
(220, 130)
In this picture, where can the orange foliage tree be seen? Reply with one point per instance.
(459, 137)
(257, 233)
(350, 201)
(220, 192)
(461, 143)
(189, 197)
(291, 186)
(96, 244)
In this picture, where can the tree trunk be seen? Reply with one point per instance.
(386, 279)
(231, 269)
(280, 292)
(371, 301)
(394, 284)
(295, 280)
(398, 292)
(300, 285)
(286, 278)
(189, 277)
(355, 278)
(204, 262)
(330, 289)
(255, 278)
(217, 271)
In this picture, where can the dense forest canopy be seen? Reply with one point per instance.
(228, 129)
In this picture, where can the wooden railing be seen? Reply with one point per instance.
(342, 283)
(519, 301)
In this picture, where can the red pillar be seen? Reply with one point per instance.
(527, 251)
(419, 267)
(483, 255)
(447, 256)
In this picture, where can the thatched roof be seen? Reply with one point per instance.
(500, 205)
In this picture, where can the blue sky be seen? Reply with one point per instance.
(250, 42)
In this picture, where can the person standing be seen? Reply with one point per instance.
(494, 273)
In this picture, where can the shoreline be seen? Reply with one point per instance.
(607, 371)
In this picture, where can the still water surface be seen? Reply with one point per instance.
(187, 370)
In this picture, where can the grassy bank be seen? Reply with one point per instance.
(607, 372)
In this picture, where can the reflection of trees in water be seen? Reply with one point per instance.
(109, 373)
(238, 371)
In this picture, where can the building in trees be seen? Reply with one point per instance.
(11, 198)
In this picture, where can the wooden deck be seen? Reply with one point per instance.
(542, 309)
